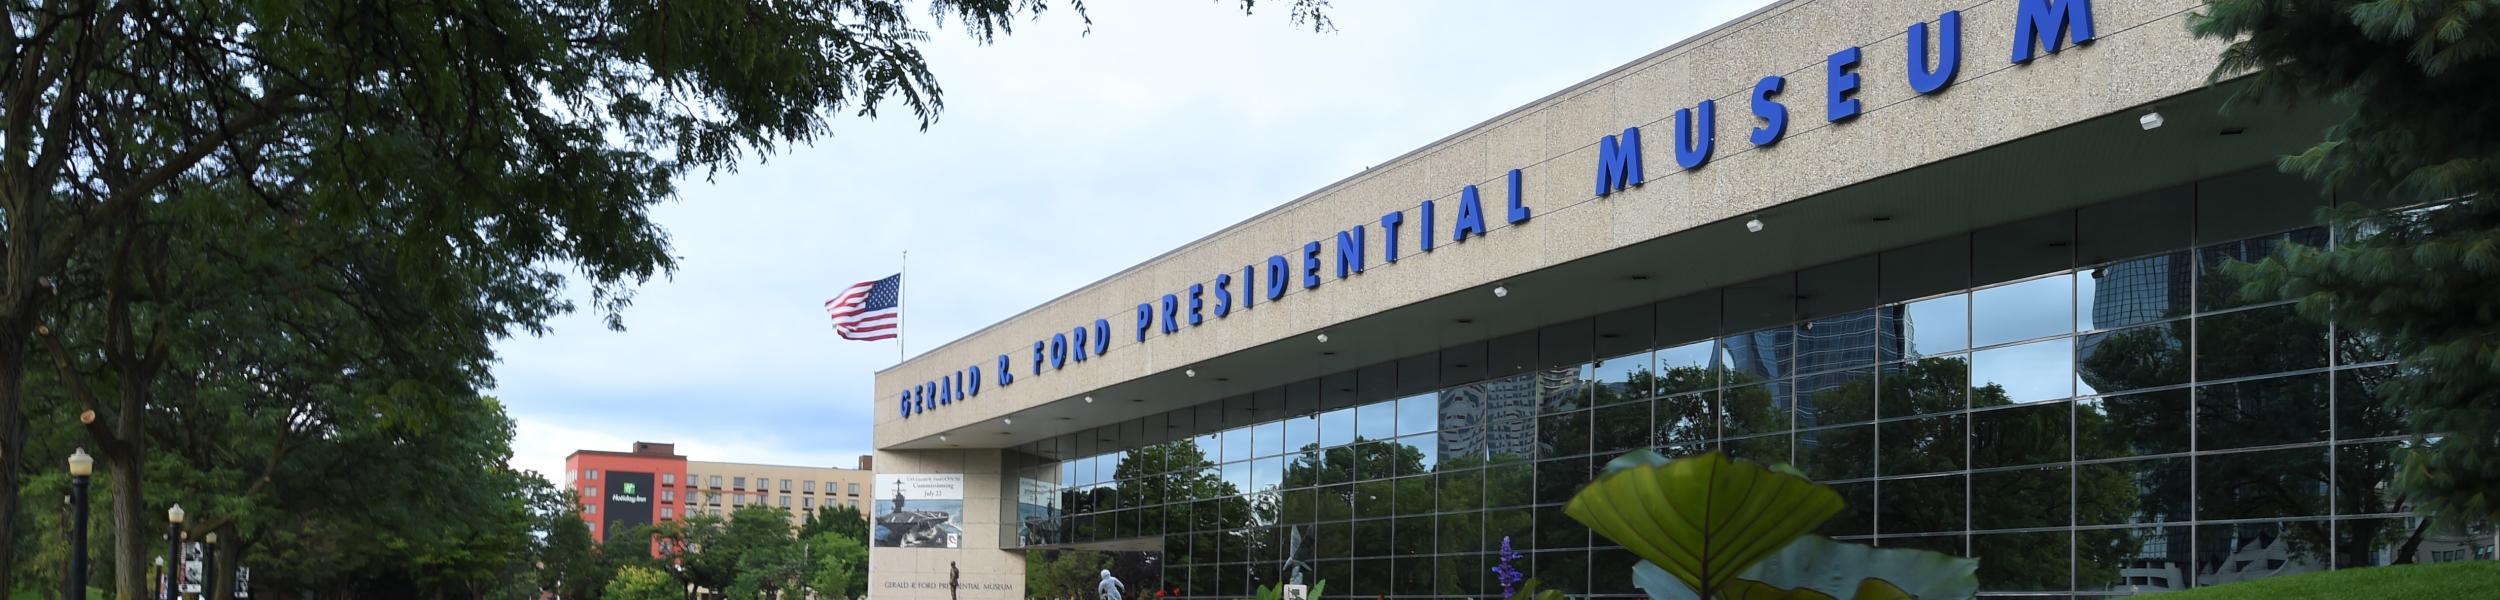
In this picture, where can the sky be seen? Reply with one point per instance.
(1062, 157)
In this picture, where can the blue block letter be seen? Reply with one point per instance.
(1470, 215)
(1423, 227)
(1350, 252)
(1006, 376)
(1223, 295)
(1310, 265)
(1275, 277)
(1619, 162)
(1197, 304)
(1145, 320)
(1102, 337)
(1518, 202)
(1774, 116)
(1693, 141)
(1171, 314)
(1839, 103)
(2038, 23)
(1389, 234)
(1948, 53)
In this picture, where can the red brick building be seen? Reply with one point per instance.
(624, 489)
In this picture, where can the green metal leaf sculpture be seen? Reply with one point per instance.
(1845, 570)
(1702, 519)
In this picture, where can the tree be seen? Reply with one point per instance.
(567, 565)
(838, 564)
(841, 519)
(644, 583)
(2413, 79)
(483, 148)
(1063, 574)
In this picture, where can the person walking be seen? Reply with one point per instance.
(1109, 589)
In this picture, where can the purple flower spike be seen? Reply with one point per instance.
(1505, 573)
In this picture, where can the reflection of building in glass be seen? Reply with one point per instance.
(2138, 291)
(2254, 553)
(1761, 353)
(1507, 409)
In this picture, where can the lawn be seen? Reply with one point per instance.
(2472, 579)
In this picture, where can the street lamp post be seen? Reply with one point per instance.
(173, 552)
(81, 467)
(208, 566)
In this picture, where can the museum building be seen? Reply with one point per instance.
(1964, 262)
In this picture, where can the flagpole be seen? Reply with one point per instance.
(902, 291)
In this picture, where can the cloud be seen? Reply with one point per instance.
(1061, 158)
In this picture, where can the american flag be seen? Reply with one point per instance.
(868, 311)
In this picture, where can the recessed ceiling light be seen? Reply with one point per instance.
(1460, 365)
(1327, 354)
(1008, 420)
(1753, 225)
(941, 437)
(1137, 400)
(1223, 379)
(1089, 399)
(1323, 338)
(1464, 321)
(2234, 130)
(1189, 372)
(1640, 278)
(1883, 218)
(1501, 291)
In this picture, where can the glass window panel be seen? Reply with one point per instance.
(2217, 289)
(2262, 412)
(2023, 562)
(2024, 435)
(1920, 505)
(2133, 292)
(1766, 449)
(2132, 359)
(1837, 453)
(1857, 511)
(1463, 405)
(1301, 506)
(1337, 570)
(1948, 544)
(2257, 342)
(1267, 439)
(1414, 538)
(1462, 364)
(1463, 446)
(2359, 412)
(2031, 372)
(1922, 445)
(1610, 572)
(1623, 378)
(1377, 460)
(2021, 311)
(1766, 302)
(1562, 388)
(1838, 342)
(1565, 571)
(1414, 575)
(1757, 356)
(1461, 490)
(1515, 525)
(1372, 538)
(1376, 421)
(2365, 478)
(2354, 346)
(1755, 409)
(1267, 473)
(1237, 475)
(1689, 367)
(1373, 499)
(1565, 434)
(1836, 398)
(2139, 424)
(1509, 484)
(1557, 480)
(1417, 454)
(1924, 328)
(2134, 560)
(1460, 576)
(2251, 551)
(1339, 465)
(1685, 420)
(1336, 427)
(1927, 385)
(1302, 433)
(2257, 485)
(1621, 428)
(1558, 531)
(2021, 499)
(1510, 355)
(1460, 532)
(1336, 502)
(1418, 414)
(1237, 445)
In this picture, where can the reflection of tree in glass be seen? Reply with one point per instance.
(1155, 477)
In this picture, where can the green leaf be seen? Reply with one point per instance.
(1659, 584)
(1703, 519)
(1747, 589)
(1864, 572)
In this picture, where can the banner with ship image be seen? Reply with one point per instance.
(918, 511)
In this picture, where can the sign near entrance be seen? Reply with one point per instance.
(192, 567)
(919, 511)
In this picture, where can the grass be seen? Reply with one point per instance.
(2470, 579)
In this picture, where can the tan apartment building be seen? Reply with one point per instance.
(654, 484)
(716, 488)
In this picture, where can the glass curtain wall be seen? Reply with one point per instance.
(2082, 400)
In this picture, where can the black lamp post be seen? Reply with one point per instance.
(81, 467)
(208, 566)
(173, 552)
